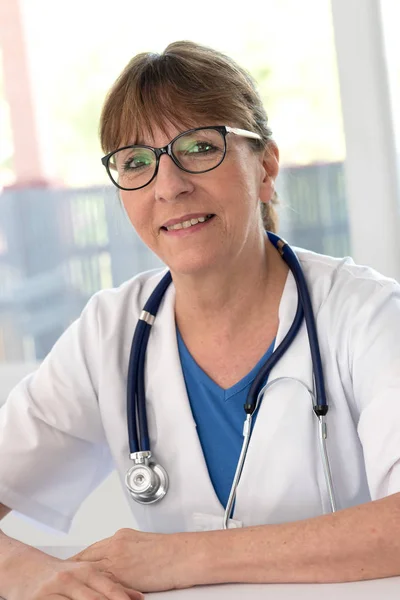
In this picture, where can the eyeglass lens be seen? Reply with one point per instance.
(195, 151)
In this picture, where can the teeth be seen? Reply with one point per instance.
(186, 224)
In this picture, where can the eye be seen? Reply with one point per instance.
(200, 146)
(129, 160)
(137, 161)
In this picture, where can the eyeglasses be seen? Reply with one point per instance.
(195, 151)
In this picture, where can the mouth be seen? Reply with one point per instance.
(188, 224)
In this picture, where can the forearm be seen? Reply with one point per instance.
(353, 544)
(12, 556)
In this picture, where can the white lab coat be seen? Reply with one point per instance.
(64, 428)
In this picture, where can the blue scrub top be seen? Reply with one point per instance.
(219, 416)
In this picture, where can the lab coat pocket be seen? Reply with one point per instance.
(280, 478)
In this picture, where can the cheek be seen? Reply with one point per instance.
(247, 191)
(246, 175)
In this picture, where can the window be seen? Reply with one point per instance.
(62, 241)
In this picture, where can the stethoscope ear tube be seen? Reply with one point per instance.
(321, 405)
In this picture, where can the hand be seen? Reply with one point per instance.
(43, 577)
(146, 561)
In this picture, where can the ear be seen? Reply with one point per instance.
(269, 171)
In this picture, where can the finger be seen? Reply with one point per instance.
(111, 588)
(84, 555)
(85, 592)
(87, 584)
(54, 597)
(96, 550)
(134, 595)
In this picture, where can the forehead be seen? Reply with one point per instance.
(158, 114)
(160, 137)
(163, 118)
(159, 134)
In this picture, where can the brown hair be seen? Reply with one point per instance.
(185, 85)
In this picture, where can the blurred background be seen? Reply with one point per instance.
(329, 74)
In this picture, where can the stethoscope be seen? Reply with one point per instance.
(146, 480)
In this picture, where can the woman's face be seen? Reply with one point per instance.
(231, 193)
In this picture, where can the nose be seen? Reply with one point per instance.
(171, 183)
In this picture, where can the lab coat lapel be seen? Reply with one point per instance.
(280, 461)
(173, 436)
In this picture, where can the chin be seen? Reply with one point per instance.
(195, 265)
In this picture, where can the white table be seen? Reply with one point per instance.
(385, 589)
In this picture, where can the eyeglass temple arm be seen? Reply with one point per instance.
(243, 133)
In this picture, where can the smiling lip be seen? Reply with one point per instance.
(184, 218)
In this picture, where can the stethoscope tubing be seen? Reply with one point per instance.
(141, 409)
(136, 349)
(321, 405)
(251, 402)
(136, 402)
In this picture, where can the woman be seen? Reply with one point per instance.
(188, 145)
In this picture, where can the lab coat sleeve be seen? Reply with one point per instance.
(375, 357)
(53, 451)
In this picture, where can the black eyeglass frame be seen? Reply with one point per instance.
(222, 129)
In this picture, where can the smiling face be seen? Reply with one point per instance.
(195, 222)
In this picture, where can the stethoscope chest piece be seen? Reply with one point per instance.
(146, 481)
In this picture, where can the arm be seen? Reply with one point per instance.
(50, 415)
(362, 542)
(14, 557)
(357, 543)
(28, 574)
(4, 510)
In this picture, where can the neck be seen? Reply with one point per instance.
(218, 301)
